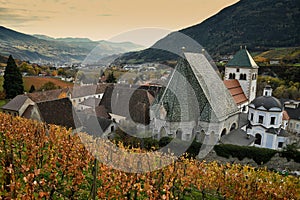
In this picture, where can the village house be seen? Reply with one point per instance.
(51, 107)
(79, 94)
(293, 111)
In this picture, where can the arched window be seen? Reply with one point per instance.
(200, 136)
(230, 76)
(258, 139)
(241, 76)
(233, 126)
(163, 132)
(179, 134)
(223, 132)
(233, 76)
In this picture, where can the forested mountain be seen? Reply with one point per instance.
(259, 25)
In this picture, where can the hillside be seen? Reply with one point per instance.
(50, 162)
(259, 25)
(285, 56)
(44, 49)
(38, 82)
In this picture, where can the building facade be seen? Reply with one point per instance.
(265, 121)
(243, 68)
(195, 103)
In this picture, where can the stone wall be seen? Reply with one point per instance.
(277, 162)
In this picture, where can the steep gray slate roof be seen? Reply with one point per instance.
(195, 92)
(16, 103)
(242, 59)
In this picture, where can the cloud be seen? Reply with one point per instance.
(18, 16)
(104, 15)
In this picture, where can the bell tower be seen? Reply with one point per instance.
(243, 68)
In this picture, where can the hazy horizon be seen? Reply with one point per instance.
(107, 19)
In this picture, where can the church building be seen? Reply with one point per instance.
(195, 103)
(265, 118)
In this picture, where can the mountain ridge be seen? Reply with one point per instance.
(259, 25)
(41, 48)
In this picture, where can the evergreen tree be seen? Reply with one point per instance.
(111, 78)
(13, 82)
(32, 89)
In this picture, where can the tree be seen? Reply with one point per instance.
(111, 78)
(32, 89)
(13, 82)
(49, 86)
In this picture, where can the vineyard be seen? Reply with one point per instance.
(38, 82)
(40, 161)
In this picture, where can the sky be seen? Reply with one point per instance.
(139, 21)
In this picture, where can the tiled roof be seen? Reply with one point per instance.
(285, 115)
(128, 102)
(242, 59)
(294, 113)
(96, 126)
(59, 112)
(236, 91)
(82, 91)
(27, 112)
(195, 92)
(91, 102)
(99, 111)
(48, 95)
(16, 103)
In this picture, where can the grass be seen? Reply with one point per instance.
(281, 53)
(1, 83)
(40, 81)
(3, 102)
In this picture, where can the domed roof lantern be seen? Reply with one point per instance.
(267, 91)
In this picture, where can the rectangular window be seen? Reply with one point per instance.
(251, 117)
(272, 120)
(280, 144)
(260, 119)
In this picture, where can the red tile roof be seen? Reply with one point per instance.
(48, 95)
(236, 91)
(285, 115)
